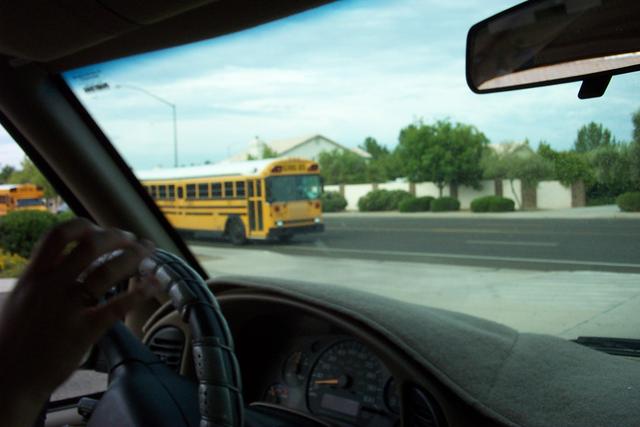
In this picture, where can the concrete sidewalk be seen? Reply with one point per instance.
(563, 303)
(593, 212)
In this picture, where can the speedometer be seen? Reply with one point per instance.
(346, 381)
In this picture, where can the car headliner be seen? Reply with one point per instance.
(65, 35)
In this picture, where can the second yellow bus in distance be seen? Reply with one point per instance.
(255, 199)
(19, 197)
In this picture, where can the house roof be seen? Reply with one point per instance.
(511, 147)
(282, 146)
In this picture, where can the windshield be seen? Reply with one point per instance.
(512, 206)
(291, 188)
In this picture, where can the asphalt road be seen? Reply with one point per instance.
(539, 244)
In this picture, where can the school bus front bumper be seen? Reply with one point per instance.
(289, 228)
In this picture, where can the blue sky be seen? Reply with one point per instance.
(348, 70)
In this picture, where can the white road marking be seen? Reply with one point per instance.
(505, 243)
(467, 257)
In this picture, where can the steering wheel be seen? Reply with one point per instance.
(143, 391)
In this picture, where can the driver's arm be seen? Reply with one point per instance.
(50, 319)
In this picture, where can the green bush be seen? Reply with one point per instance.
(20, 230)
(382, 200)
(416, 204)
(332, 201)
(492, 204)
(444, 204)
(11, 265)
(629, 202)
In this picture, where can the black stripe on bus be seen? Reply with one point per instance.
(252, 215)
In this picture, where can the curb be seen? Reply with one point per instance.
(574, 214)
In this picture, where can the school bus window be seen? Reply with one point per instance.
(153, 191)
(180, 193)
(203, 191)
(259, 188)
(162, 192)
(191, 191)
(171, 191)
(216, 190)
(228, 190)
(250, 185)
(240, 189)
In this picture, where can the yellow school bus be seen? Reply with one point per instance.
(16, 197)
(255, 199)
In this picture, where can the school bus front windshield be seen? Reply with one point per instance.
(293, 187)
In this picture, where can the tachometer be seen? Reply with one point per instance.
(347, 380)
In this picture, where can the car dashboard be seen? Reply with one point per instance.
(335, 356)
(310, 363)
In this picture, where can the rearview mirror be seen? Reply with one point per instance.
(544, 42)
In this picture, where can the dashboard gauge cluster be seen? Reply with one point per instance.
(337, 379)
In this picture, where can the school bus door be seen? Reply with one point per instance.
(254, 208)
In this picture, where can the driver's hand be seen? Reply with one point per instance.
(50, 320)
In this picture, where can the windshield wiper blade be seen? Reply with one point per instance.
(615, 346)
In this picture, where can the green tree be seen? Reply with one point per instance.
(571, 167)
(342, 167)
(591, 137)
(5, 173)
(266, 153)
(493, 165)
(611, 166)
(528, 167)
(384, 164)
(634, 151)
(634, 163)
(377, 151)
(29, 173)
(443, 153)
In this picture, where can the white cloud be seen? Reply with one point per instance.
(10, 154)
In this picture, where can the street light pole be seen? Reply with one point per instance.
(174, 115)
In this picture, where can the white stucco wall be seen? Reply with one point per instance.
(550, 194)
(404, 186)
(429, 189)
(467, 194)
(353, 192)
(553, 195)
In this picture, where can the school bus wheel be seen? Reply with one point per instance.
(235, 231)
